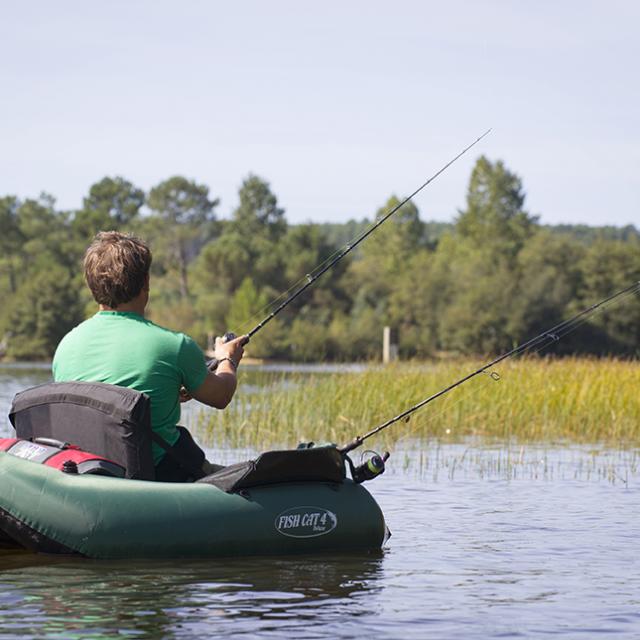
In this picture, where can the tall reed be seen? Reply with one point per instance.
(582, 400)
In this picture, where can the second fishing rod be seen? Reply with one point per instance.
(350, 246)
(554, 334)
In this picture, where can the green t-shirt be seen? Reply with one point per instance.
(125, 349)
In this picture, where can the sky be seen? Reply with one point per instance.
(338, 104)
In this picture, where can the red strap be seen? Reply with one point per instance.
(7, 443)
(73, 455)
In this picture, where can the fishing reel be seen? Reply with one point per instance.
(370, 468)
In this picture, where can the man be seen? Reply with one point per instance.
(120, 346)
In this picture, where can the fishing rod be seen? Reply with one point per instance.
(551, 335)
(311, 278)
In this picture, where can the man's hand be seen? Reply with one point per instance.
(233, 349)
(184, 395)
(220, 385)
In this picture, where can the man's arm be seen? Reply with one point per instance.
(220, 385)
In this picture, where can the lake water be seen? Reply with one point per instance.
(489, 541)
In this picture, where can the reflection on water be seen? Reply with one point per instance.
(66, 598)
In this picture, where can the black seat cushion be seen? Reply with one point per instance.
(110, 421)
(319, 464)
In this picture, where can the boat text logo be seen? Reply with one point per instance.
(305, 522)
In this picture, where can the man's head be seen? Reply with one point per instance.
(116, 267)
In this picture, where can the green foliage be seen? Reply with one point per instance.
(45, 235)
(588, 235)
(416, 303)
(258, 212)
(44, 309)
(11, 239)
(399, 238)
(475, 321)
(382, 263)
(549, 281)
(309, 341)
(494, 218)
(607, 266)
(490, 281)
(337, 234)
(246, 302)
(112, 204)
(246, 250)
(182, 223)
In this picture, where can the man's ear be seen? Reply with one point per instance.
(145, 286)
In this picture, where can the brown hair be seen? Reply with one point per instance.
(116, 266)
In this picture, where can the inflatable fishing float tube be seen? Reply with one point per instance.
(58, 498)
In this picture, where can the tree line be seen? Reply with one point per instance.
(490, 280)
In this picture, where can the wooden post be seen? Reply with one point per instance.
(389, 346)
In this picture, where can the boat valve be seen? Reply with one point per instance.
(69, 466)
(370, 469)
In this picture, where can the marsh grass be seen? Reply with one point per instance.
(535, 400)
(435, 462)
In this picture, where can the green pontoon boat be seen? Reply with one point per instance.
(55, 498)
